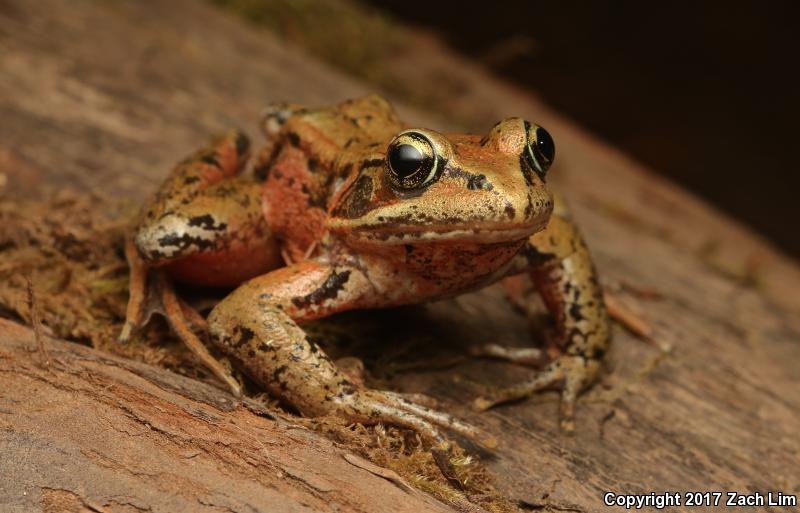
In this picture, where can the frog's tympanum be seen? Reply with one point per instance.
(346, 208)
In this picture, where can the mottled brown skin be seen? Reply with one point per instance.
(355, 234)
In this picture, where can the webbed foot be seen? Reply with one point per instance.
(570, 374)
(152, 292)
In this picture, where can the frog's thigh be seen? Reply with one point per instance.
(256, 326)
(218, 238)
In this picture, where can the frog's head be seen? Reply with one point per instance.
(426, 186)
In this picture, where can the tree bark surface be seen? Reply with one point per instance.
(106, 96)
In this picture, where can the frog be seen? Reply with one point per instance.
(346, 207)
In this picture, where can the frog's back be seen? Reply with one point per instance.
(340, 135)
(317, 151)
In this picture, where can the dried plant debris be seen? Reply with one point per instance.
(68, 253)
(402, 452)
(70, 247)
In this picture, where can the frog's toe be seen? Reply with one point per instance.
(394, 408)
(372, 407)
(570, 374)
(139, 299)
(152, 292)
(518, 355)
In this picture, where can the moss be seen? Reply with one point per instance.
(70, 246)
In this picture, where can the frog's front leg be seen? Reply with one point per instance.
(256, 325)
(558, 262)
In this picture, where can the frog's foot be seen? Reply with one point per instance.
(569, 373)
(152, 292)
(519, 355)
(181, 317)
(138, 312)
(373, 406)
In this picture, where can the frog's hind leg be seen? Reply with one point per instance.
(204, 227)
(558, 262)
(135, 315)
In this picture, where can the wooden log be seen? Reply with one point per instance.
(105, 96)
(92, 432)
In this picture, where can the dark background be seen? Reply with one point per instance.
(703, 92)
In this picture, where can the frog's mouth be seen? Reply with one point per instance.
(484, 233)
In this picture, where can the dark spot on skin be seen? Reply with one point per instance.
(184, 241)
(322, 196)
(533, 256)
(372, 163)
(345, 388)
(529, 207)
(350, 142)
(510, 211)
(261, 172)
(328, 290)
(358, 200)
(345, 170)
(210, 158)
(245, 336)
(294, 139)
(575, 312)
(409, 248)
(191, 179)
(206, 222)
(527, 171)
(316, 197)
(280, 370)
(263, 347)
(479, 182)
(473, 181)
(313, 164)
(251, 353)
(242, 144)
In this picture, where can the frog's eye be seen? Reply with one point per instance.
(540, 150)
(411, 161)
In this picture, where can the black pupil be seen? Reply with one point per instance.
(405, 160)
(545, 144)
